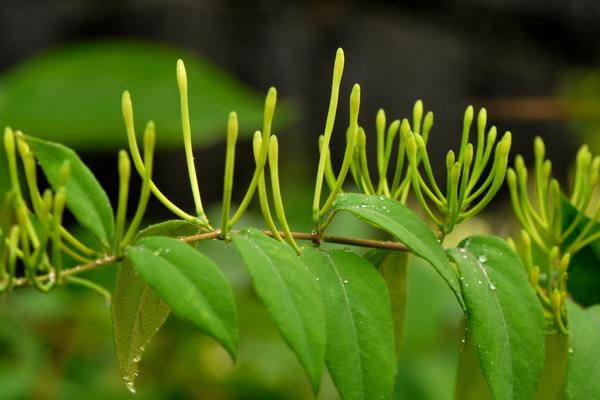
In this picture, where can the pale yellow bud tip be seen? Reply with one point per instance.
(181, 75)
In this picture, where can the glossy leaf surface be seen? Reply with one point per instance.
(395, 218)
(191, 284)
(583, 365)
(505, 319)
(360, 335)
(291, 295)
(86, 199)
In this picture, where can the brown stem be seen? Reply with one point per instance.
(216, 234)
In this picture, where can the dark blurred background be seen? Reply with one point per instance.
(64, 64)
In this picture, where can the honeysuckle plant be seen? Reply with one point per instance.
(337, 309)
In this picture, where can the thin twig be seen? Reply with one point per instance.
(216, 234)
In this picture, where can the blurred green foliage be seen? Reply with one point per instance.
(72, 95)
(581, 94)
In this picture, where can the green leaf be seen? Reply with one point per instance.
(584, 274)
(191, 284)
(583, 366)
(291, 294)
(470, 382)
(360, 335)
(73, 94)
(138, 313)
(86, 199)
(172, 228)
(552, 382)
(393, 217)
(505, 318)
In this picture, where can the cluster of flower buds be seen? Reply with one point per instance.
(468, 189)
(548, 238)
(32, 239)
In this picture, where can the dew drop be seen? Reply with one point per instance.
(462, 250)
(131, 387)
(318, 278)
(463, 340)
(381, 198)
(492, 286)
(482, 258)
(345, 280)
(479, 282)
(363, 206)
(571, 350)
(137, 359)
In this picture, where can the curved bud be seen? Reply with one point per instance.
(481, 122)
(354, 104)
(450, 158)
(534, 276)
(539, 149)
(338, 66)
(427, 125)
(256, 144)
(361, 139)
(124, 166)
(417, 116)
(556, 299)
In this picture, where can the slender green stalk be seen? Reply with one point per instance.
(57, 214)
(468, 120)
(9, 147)
(279, 209)
(262, 190)
(232, 133)
(348, 154)
(187, 137)
(149, 140)
(364, 164)
(329, 174)
(338, 69)
(89, 285)
(541, 188)
(127, 109)
(76, 243)
(270, 103)
(124, 176)
(31, 178)
(404, 132)
(380, 122)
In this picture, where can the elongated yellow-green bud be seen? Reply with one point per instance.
(9, 147)
(556, 299)
(187, 137)
(427, 125)
(57, 213)
(277, 199)
(349, 152)
(338, 69)
(257, 144)
(232, 134)
(380, 122)
(534, 276)
(417, 117)
(124, 166)
(481, 122)
(149, 142)
(467, 121)
(539, 149)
